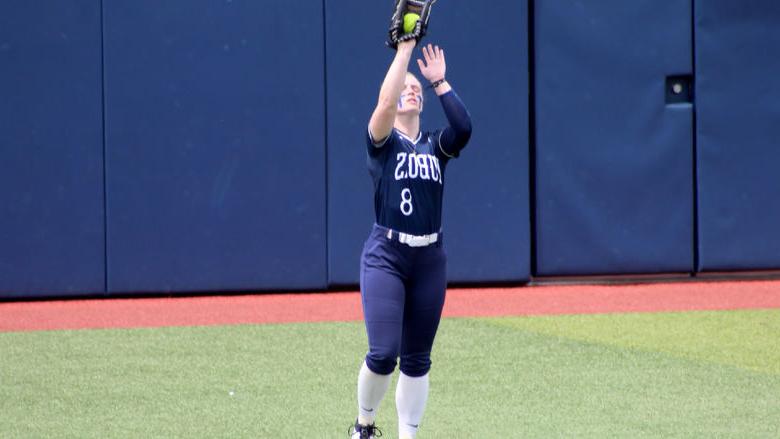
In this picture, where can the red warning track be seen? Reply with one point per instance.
(285, 308)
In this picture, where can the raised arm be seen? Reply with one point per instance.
(434, 68)
(381, 123)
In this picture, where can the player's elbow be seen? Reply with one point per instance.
(467, 129)
(463, 138)
(463, 132)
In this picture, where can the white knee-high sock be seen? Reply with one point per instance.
(370, 391)
(411, 394)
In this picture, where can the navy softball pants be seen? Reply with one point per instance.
(402, 290)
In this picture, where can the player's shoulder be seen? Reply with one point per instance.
(431, 136)
(393, 137)
(378, 148)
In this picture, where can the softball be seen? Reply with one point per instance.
(410, 21)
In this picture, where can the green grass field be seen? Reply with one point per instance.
(693, 374)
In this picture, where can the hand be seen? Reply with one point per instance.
(434, 67)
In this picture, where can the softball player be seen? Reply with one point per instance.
(402, 277)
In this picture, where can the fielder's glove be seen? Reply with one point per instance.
(403, 7)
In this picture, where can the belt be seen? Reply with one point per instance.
(413, 240)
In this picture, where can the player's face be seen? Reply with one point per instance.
(411, 100)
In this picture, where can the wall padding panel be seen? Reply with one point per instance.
(51, 149)
(215, 145)
(738, 135)
(614, 166)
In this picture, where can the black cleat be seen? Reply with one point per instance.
(358, 431)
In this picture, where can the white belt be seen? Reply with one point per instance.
(414, 240)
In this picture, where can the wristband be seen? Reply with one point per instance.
(438, 83)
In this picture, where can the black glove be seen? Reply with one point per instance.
(403, 7)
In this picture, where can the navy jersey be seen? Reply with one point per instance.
(408, 179)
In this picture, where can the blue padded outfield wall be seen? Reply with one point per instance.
(218, 146)
(485, 218)
(738, 134)
(215, 145)
(51, 149)
(614, 161)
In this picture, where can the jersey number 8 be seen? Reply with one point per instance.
(406, 202)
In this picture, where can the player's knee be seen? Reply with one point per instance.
(381, 363)
(416, 365)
